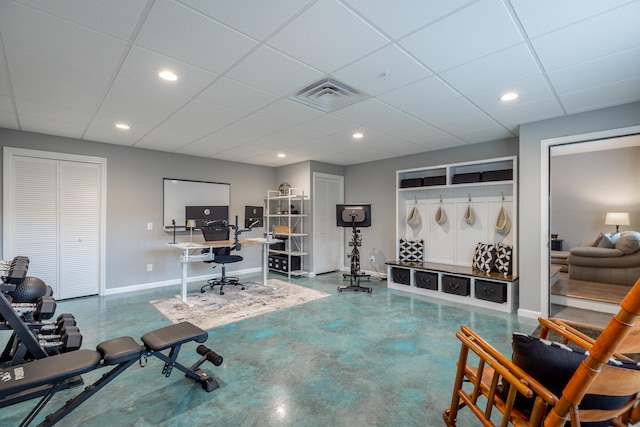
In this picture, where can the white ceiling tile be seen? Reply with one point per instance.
(46, 80)
(339, 37)
(216, 115)
(237, 96)
(257, 18)
(145, 96)
(617, 93)
(251, 128)
(5, 104)
(114, 17)
(32, 32)
(40, 124)
(209, 145)
(178, 32)
(448, 141)
(485, 134)
(477, 30)
(542, 16)
(382, 71)
(143, 66)
(421, 134)
(327, 125)
(509, 65)
(399, 18)
(447, 112)
(529, 90)
(102, 131)
(174, 134)
(114, 111)
(61, 114)
(512, 115)
(286, 111)
(421, 94)
(8, 120)
(604, 34)
(367, 112)
(279, 74)
(598, 72)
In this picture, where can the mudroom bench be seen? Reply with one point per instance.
(455, 283)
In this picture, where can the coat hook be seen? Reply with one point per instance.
(469, 197)
(502, 192)
(441, 198)
(415, 199)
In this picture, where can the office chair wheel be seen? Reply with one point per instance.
(221, 293)
(202, 291)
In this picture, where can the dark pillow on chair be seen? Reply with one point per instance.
(411, 250)
(503, 255)
(483, 257)
(553, 364)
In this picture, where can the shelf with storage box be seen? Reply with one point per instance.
(455, 283)
(286, 219)
(448, 210)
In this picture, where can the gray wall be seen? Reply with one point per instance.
(375, 183)
(134, 198)
(531, 192)
(585, 186)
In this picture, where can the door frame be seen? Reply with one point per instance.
(545, 205)
(9, 153)
(314, 213)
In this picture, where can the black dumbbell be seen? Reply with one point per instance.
(45, 308)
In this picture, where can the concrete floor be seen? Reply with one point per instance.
(351, 359)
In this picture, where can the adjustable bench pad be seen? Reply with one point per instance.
(173, 335)
(119, 350)
(48, 370)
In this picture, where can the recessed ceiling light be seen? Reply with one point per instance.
(282, 155)
(168, 75)
(122, 126)
(509, 96)
(358, 135)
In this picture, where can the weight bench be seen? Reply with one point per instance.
(52, 372)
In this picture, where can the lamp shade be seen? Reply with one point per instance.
(617, 218)
(191, 223)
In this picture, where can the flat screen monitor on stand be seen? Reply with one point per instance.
(354, 216)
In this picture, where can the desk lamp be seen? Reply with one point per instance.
(617, 219)
(191, 224)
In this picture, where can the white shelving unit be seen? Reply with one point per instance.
(486, 187)
(285, 217)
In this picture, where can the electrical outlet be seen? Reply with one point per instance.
(373, 258)
(149, 226)
(149, 267)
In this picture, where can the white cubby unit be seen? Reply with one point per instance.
(460, 205)
(286, 218)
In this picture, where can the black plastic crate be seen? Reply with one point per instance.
(411, 182)
(426, 280)
(498, 175)
(465, 178)
(401, 276)
(456, 285)
(491, 291)
(280, 262)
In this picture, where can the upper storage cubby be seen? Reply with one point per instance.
(498, 171)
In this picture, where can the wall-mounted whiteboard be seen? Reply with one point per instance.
(180, 193)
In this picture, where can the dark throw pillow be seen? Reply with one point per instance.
(411, 250)
(503, 256)
(553, 364)
(483, 257)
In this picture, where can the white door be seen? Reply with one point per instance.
(328, 239)
(54, 214)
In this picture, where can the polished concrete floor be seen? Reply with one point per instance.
(351, 359)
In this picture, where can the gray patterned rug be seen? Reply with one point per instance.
(210, 309)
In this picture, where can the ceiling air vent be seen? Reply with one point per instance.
(328, 95)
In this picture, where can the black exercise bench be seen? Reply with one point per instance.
(54, 371)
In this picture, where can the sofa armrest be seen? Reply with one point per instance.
(596, 252)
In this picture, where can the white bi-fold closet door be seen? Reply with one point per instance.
(53, 213)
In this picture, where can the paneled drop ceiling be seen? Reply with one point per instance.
(429, 73)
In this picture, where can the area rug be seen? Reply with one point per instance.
(210, 309)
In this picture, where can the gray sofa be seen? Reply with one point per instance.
(619, 265)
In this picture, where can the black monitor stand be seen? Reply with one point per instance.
(355, 275)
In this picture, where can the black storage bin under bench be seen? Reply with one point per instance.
(426, 280)
(401, 276)
(491, 291)
(456, 285)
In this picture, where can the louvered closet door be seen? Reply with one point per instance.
(35, 216)
(79, 229)
(56, 223)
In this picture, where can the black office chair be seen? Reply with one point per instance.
(217, 231)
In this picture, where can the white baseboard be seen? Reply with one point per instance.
(156, 285)
(529, 314)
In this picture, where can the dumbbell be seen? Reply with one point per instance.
(64, 320)
(44, 309)
(69, 341)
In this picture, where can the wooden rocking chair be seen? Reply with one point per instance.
(495, 373)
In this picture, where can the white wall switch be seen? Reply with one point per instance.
(149, 226)
(149, 267)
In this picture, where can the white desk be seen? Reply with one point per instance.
(189, 255)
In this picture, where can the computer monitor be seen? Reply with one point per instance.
(358, 214)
